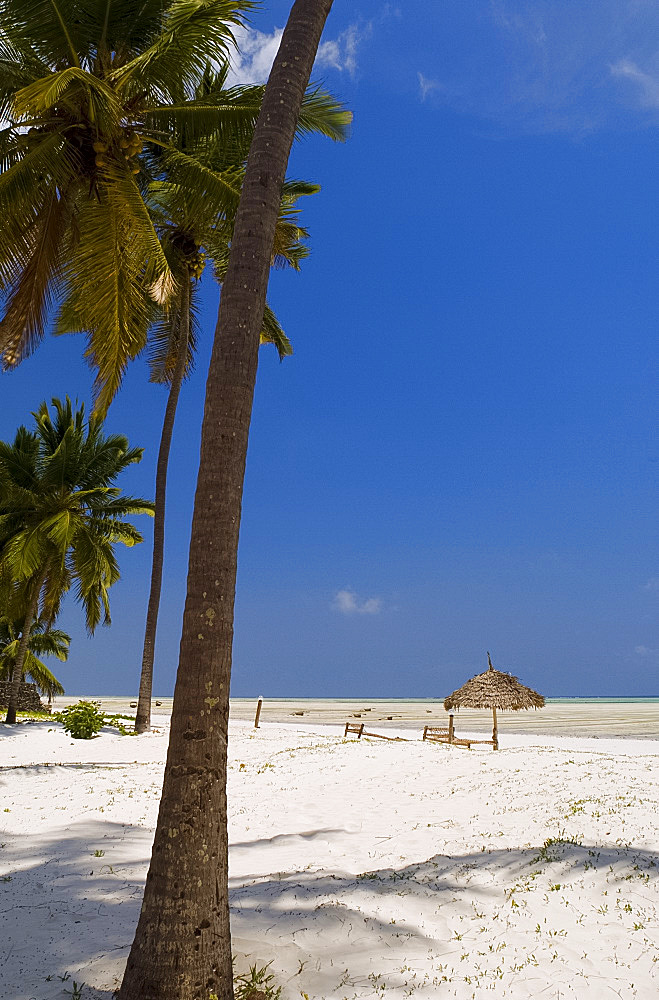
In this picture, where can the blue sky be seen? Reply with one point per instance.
(460, 456)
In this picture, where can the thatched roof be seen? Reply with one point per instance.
(493, 689)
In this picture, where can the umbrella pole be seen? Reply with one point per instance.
(495, 731)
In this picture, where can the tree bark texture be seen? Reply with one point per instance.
(17, 675)
(182, 947)
(143, 714)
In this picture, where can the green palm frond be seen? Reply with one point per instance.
(70, 89)
(44, 679)
(47, 641)
(164, 339)
(55, 41)
(117, 531)
(30, 296)
(19, 460)
(105, 297)
(322, 114)
(122, 506)
(272, 333)
(96, 570)
(194, 123)
(192, 32)
(25, 552)
(205, 192)
(43, 641)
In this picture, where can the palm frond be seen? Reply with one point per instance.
(205, 192)
(272, 333)
(105, 295)
(164, 339)
(322, 114)
(55, 42)
(194, 32)
(30, 297)
(96, 570)
(70, 87)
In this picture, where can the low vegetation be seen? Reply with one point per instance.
(84, 720)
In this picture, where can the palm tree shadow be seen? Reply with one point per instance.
(72, 911)
(350, 919)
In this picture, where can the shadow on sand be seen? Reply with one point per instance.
(72, 910)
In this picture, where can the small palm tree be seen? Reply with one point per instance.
(43, 641)
(61, 516)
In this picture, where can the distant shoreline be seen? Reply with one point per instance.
(625, 717)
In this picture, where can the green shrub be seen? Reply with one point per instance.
(81, 721)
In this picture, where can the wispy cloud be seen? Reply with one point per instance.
(647, 84)
(426, 85)
(341, 52)
(652, 584)
(256, 51)
(348, 603)
(645, 651)
(549, 65)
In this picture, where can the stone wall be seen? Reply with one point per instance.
(28, 697)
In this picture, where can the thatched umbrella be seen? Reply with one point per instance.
(494, 690)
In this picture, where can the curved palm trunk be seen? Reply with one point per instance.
(143, 715)
(21, 652)
(182, 947)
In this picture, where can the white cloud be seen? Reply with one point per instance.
(347, 602)
(549, 65)
(256, 51)
(648, 84)
(426, 86)
(645, 651)
(341, 52)
(652, 584)
(253, 60)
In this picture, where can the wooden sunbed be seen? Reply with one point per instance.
(438, 734)
(359, 731)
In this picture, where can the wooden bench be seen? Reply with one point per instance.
(438, 734)
(358, 731)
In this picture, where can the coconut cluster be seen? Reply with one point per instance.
(130, 145)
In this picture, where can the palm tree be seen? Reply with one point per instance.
(94, 96)
(182, 947)
(60, 518)
(192, 229)
(43, 641)
(173, 345)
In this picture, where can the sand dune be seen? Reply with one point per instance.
(361, 869)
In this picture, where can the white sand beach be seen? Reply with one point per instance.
(359, 869)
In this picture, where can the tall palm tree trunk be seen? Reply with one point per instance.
(182, 947)
(31, 615)
(143, 715)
